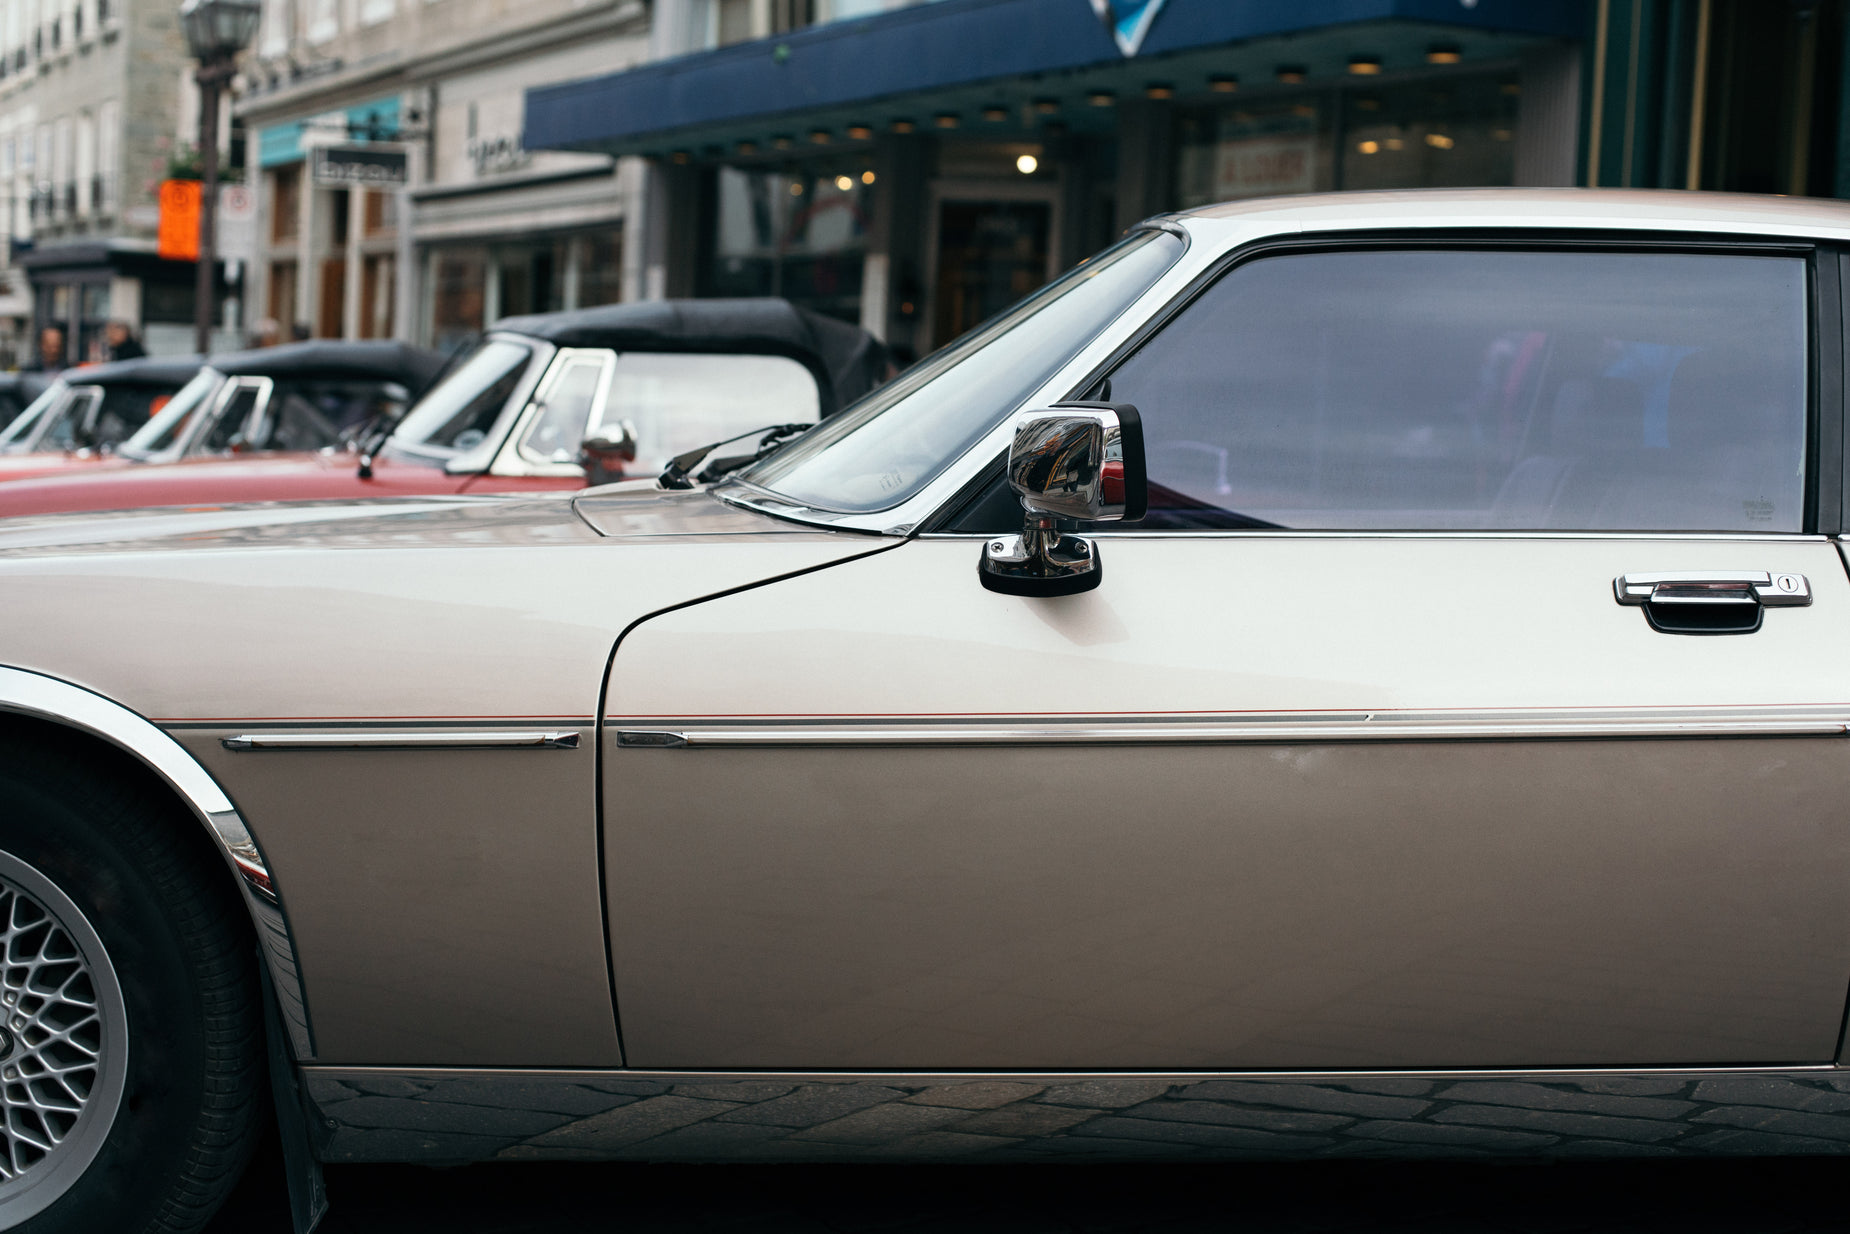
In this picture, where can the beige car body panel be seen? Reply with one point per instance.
(857, 890)
(443, 903)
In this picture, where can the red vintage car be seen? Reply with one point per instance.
(644, 382)
(294, 397)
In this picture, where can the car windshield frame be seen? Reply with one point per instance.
(209, 382)
(23, 434)
(995, 348)
(464, 383)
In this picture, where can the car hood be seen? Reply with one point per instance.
(285, 476)
(490, 607)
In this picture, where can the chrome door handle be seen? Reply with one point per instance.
(1714, 587)
(1710, 601)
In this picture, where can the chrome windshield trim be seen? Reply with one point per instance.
(457, 740)
(23, 692)
(631, 733)
(1205, 244)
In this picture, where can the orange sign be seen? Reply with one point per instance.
(178, 239)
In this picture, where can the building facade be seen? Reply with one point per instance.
(93, 97)
(483, 227)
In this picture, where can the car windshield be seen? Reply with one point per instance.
(25, 428)
(461, 410)
(165, 435)
(894, 442)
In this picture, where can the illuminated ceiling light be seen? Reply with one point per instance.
(1501, 134)
(1439, 141)
(1159, 90)
(995, 114)
(945, 120)
(820, 137)
(1368, 147)
(844, 183)
(681, 157)
(1304, 109)
(796, 188)
(1394, 143)
(1046, 107)
(1223, 83)
(867, 177)
(1027, 164)
(783, 141)
(1444, 53)
(1102, 98)
(904, 126)
(747, 148)
(1511, 87)
(860, 132)
(1292, 74)
(1368, 104)
(1364, 66)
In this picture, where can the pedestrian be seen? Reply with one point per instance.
(51, 351)
(120, 343)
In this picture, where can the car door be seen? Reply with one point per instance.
(1360, 756)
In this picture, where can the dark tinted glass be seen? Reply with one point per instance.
(1462, 390)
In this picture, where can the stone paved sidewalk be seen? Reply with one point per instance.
(1766, 1196)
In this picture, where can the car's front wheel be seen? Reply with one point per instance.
(129, 1035)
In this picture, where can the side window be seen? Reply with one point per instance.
(231, 431)
(1457, 390)
(566, 402)
(676, 402)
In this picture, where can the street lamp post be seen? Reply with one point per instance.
(216, 31)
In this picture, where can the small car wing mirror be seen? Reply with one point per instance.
(603, 453)
(1079, 461)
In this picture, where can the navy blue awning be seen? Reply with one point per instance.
(928, 50)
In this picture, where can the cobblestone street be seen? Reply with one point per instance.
(1766, 1196)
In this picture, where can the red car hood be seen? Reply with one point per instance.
(18, 466)
(222, 481)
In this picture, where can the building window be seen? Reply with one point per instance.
(600, 268)
(459, 276)
(1440, 132)
(285, 203)
(732, 21)
(800, 236)
(280, 301)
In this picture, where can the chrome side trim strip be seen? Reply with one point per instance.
(460, 739)
(34, 694)
(1055, 1116)
(1292, 727)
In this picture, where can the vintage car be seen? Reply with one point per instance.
(644, 382)
(298, 397)
(1304, 683)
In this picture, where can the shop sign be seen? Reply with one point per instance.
(362, 166)
(1128, 20)
(1266, 166)
(493, 155)
(177, 238)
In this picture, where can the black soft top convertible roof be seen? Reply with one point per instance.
(411, 367)
(846, 360)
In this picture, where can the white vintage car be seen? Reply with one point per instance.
(1327, 676)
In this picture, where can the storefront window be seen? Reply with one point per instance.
(458, 282)
(1447, 131)
(1455, 132)
(798, 235)
(600, 268)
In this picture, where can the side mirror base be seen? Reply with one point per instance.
(1041, 563)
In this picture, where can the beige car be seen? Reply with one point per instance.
(1335, 676)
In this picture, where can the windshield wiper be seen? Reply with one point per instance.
(676, 474)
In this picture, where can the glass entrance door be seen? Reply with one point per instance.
(990, 254)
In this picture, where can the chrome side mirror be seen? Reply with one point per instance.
(1079, 461)
(604, 452)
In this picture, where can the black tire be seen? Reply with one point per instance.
(144, 874)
